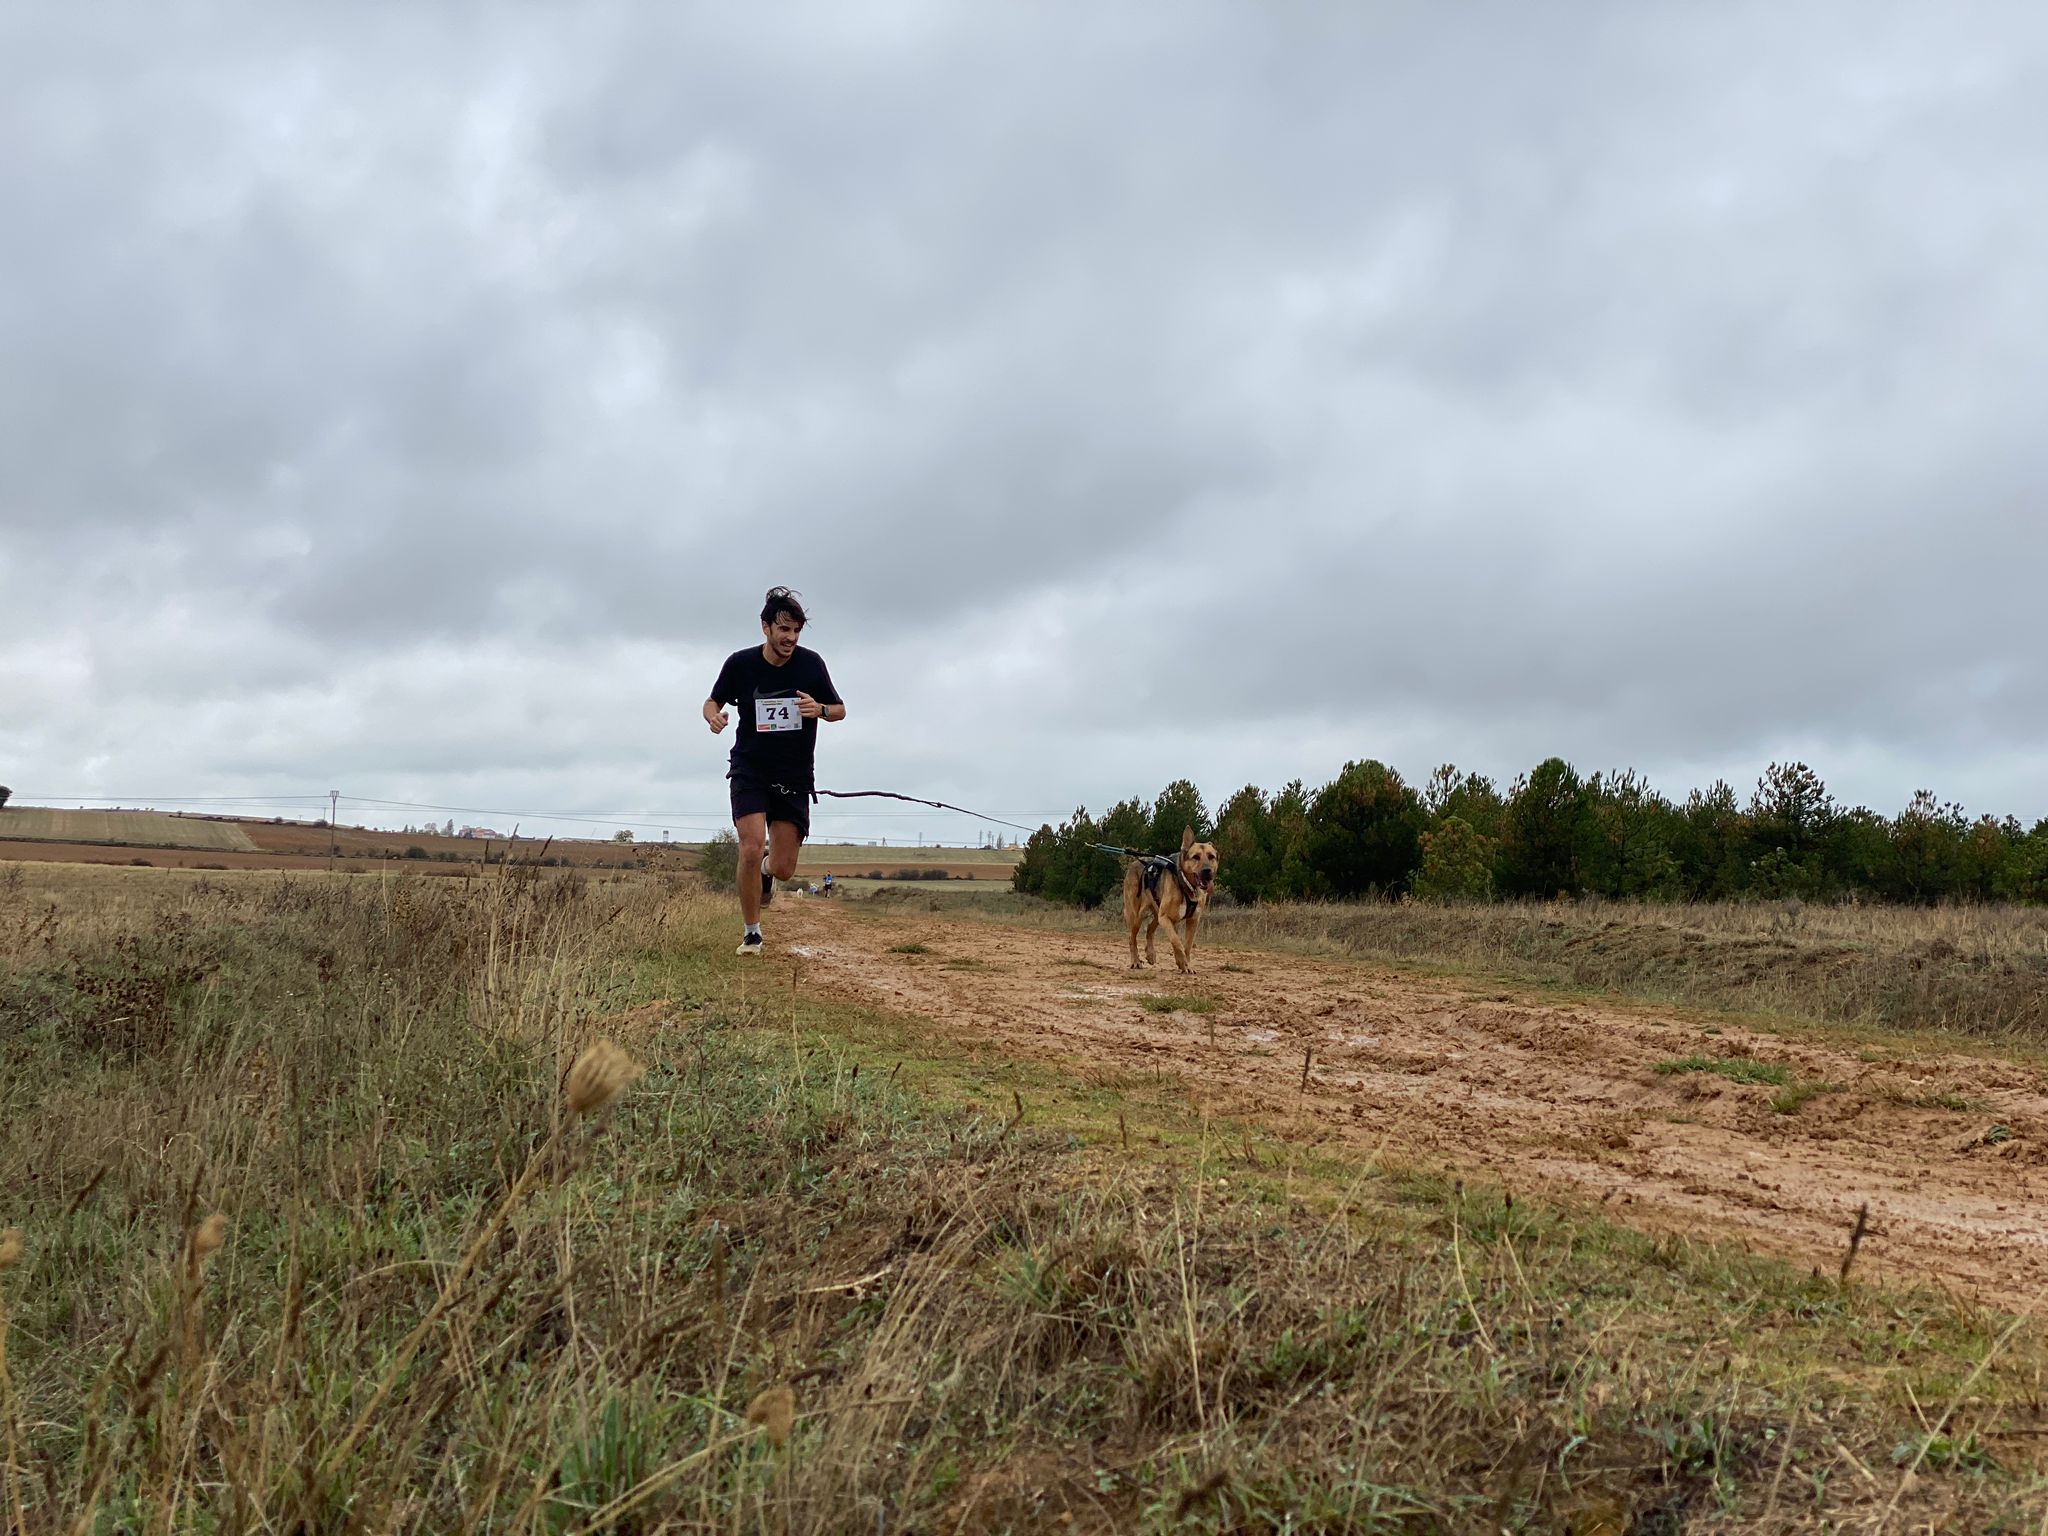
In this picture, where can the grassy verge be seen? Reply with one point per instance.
(821, 1269)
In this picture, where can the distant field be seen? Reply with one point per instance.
(845, 861)
(973, 890)
(45, 834)
(897, 856)
(902, 869)
(143, 829)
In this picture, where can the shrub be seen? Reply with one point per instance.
(719, 863)
(1457, 863)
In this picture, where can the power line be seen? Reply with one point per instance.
(646, 818)
(41, 796)
(638, 821)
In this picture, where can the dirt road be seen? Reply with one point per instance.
(1947, 1150)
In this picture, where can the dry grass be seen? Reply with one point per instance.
(345, 1206)
(1975, 970)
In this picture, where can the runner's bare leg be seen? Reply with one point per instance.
(784, 843)
(753, 835)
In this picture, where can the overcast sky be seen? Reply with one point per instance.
(416, 400)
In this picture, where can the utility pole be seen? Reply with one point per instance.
(333, 810)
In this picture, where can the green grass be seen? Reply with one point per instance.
(1737, 1069)
(1794, 1096)
(999, 1289)
(1953, 1102)
(908, 949)
(1176, 1002)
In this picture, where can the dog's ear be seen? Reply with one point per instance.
(1187, 838)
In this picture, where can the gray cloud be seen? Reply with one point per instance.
(427, 399)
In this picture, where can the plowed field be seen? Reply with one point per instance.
(142, 829)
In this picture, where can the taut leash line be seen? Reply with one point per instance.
(941, 805)
(888, 794)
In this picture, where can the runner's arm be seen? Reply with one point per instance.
(726, 688)
(828, 696)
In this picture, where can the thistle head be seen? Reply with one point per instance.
(599, 1076)
(208, 1236)
(774, 1411)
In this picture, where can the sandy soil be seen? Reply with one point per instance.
(1559, 1098)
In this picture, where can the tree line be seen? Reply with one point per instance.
(1458, 836)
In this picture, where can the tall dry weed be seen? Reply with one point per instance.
(444, 1304)
(1979, 970)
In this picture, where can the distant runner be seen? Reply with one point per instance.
(783, 691)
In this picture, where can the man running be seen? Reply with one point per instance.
(783, 692)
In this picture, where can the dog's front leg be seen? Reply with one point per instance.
(1180, 951)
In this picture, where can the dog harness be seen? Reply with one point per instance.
(1155, 866)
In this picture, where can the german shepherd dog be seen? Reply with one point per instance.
(1173, 892)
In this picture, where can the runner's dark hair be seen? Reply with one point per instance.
(782, 600)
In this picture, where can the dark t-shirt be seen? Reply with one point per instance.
(766, 694)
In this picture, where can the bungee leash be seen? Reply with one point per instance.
(890, 794)
(941, 805)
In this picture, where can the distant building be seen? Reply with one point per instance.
(479, 832)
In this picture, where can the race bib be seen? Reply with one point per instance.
(777, 715)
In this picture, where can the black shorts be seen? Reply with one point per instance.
(752, 796)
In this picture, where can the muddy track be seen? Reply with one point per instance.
(1947, 1150)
